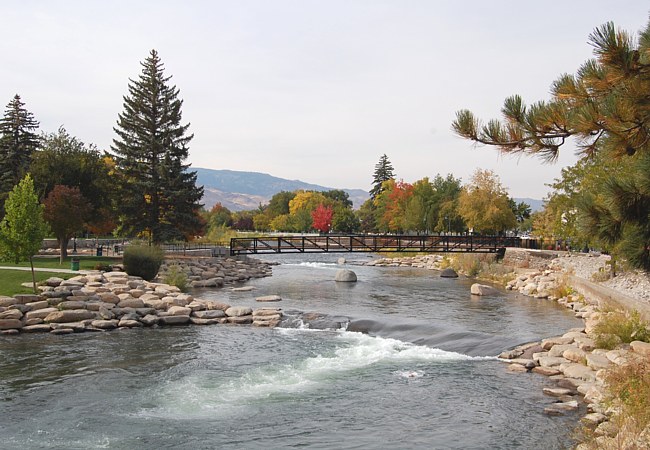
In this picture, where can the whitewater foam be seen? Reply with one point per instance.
(198, 394)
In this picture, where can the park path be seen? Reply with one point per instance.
(42, 269)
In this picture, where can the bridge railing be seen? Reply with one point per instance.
(371, 244)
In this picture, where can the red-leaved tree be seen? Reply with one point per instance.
(322, 218)
(66, 210)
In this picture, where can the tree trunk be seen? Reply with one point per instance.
(31, 263)
(63, 249)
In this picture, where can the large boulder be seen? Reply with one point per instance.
(70, 315)
(448, 273)
(238, 311)
(345, 276)
(10, 324)
(269, 298)
(482, 289)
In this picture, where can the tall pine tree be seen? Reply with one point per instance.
(383, 172)
(159, 197)
(18, 141)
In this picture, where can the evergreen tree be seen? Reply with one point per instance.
(159, 196)
(383, 172)
(17, 143)
(605, 108)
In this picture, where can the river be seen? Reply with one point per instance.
(401, 359)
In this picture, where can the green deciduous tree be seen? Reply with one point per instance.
(23, 227)
(65, 160)
(18, 140)
(159, 196)
(604, 107)
(383, 172)
(484, 204)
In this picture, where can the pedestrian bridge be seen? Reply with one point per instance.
(372, 244)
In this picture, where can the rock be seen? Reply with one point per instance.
(558, 392)
(62, 331)
(131, 303)
(199, 321)
(39, 313)
(217, 305)
(72, 304)
(546, 371)
(268, 298)
(174, 320)
(573, 370)
(240, 320)
(558, 409)
(345, 276)
(549, 343)
(179, 311)
(53, 281)
(41, 328)
(237, 311)
(594, 419)
(9, 324)
(597, 361)
(243, 289)
(149, 320)
(129, 323)
(482, 289)
(642, 348)
(340, 261)
(7, 301)
(38, 305)
(23, 299)
(511, 354)
(516, 368)
(449, 273)
(267, 312)
(551, 361)
(11, 314)
(104, 324)
(211, 314)
(71, 315)
(575, 354)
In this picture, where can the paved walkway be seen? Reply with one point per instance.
(43, 269)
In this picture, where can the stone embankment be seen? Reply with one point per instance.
(104, 301)
(216, 272)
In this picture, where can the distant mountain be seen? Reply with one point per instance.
(535, 205)
(239, 191)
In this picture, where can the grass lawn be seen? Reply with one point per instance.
(11, 280)
(52, 262)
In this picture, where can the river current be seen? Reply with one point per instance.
(401, 359)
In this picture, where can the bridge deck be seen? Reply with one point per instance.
(371, 244)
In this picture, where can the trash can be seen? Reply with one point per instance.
(74, 264)
(99, 250)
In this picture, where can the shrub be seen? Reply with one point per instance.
(618, 327)
(143, 261)
(103, 267)
(628, 386)
(175, 276)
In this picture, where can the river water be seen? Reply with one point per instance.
(400, 359)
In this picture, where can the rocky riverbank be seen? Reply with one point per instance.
(101, 301)
(572, 361)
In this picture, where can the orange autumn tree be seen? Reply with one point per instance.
(391, 205)
(322, 218)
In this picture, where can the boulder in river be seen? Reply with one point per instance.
(449, 273)
(346, 276)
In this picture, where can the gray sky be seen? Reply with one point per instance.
(307, 89)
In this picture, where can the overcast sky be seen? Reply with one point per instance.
(308, 89)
